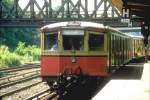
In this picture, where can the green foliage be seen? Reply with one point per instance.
(32, 52)
(15, 52)
(21, 55)
(12, 36)
(21, 50)
(8, 2)
(7, 58)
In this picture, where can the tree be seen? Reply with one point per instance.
(12, 36)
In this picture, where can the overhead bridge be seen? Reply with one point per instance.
(35, 13)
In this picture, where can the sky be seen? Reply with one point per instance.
(56, 3)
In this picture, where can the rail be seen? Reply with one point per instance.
(20, 67)
(23, 75)
(17, 90)
(18, 81)
(7, 81)
(45, 94)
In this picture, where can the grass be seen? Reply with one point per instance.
(21, 55)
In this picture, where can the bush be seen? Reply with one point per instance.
(7, 58)
(21, 55)
(21, 49)
(31, 53)
(34, 52)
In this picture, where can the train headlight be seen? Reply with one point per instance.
(68, 78)
(73, 59)
(55, 83)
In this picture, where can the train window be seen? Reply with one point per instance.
(73, 39)
(50, 42)
(73, 42)
(96, 42)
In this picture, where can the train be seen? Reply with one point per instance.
(84, 49)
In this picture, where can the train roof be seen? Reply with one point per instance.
(135, 36)
(117, 32)
(81, 24)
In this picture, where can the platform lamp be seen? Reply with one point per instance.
(145, 33)
(144, 29)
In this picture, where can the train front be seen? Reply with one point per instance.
(73, 49)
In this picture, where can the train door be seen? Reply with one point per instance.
(115, 50)
(110, 51)
(119, 51)
(112, 48)
(126, 46)
(111, 54)
(122, 50)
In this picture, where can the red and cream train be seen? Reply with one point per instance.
(84, 48)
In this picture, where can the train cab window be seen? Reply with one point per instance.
(96, 42)
(50, 42)
(73, 39)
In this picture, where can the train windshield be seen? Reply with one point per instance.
(96, 42)
(51, 41)
(73, 39)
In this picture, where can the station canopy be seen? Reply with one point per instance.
(140, 8)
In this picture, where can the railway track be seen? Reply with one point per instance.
(13, 70)
(43, 95)
(13, 86)
(22, 81)
(25, 90)
(8, 92)
(16, 79)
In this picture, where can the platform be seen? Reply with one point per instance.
(127, 89)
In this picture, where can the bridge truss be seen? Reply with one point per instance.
(39, 12)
